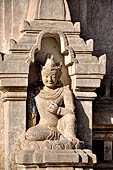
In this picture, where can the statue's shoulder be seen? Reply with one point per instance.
(67, 89)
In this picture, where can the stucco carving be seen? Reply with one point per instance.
(46, 32)
(49, 32)
(37, 10)
(56, 109)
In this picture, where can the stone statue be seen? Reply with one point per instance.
(56, 109)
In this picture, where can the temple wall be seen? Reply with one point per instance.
(12, 13)
(1, 24)
(96, 18)
(2, 137)
(100, 28)
(96, 23)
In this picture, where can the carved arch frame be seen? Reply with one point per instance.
(65, 48)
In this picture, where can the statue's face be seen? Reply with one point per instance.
(49, 80)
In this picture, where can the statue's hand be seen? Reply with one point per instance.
(53, 107)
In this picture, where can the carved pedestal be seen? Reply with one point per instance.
(55, 159)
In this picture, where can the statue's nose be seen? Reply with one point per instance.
(49, 78)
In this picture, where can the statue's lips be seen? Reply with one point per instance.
(50, 83)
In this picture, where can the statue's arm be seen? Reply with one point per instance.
(68, 103)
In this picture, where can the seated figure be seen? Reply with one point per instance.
(56, 108)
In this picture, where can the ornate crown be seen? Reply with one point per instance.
(51, 66)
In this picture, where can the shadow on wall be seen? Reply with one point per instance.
(73, 8)
(83, 130)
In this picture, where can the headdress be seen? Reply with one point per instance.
(51, 66)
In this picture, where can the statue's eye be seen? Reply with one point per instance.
(46, 76)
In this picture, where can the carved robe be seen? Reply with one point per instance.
(52, 126)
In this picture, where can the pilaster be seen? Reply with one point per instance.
(13, 84)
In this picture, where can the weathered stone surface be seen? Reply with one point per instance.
(47, 144)
(35, 26)
(13, 68)
(81, 70)
(84, 115)
(54, 157)
(61, 168)
(96, 24)
(16, 57)
(102, 134)
(108, 150)
(13, 82)
(62, 131)
(2, 137)
(48, 157)
(1, 25)
(37, 10)
(10, 12)
(14, 126)
(101, 33)
(103, 112)
(88, 68)
(51, 168)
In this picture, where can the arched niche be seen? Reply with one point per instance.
(48, 42)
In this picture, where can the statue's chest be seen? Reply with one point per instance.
(45, 102)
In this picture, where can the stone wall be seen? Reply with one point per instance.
(12, 13)
(100, 28)
(96, 23)
(2, 136)
(96, 18)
